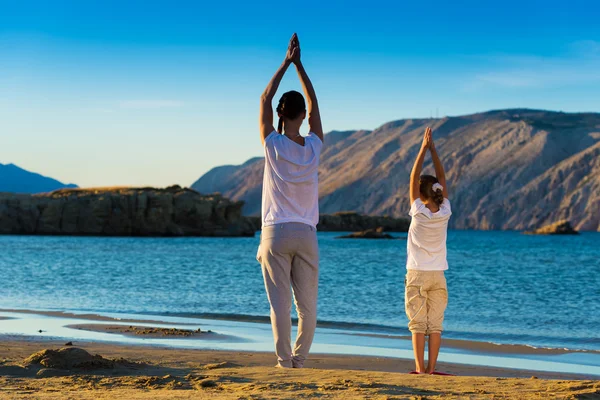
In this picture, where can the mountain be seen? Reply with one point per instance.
(17, 180)
(506, 169)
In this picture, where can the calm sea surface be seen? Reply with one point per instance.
(504, 286)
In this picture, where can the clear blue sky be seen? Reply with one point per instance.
(105, 93)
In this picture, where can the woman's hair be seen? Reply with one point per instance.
(425, 187)
(290, 106)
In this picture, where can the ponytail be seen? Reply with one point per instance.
(291, 105)
(280, 111)
(431, 189)
(438, 197)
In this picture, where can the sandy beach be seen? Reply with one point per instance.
(151, 372)
(150, 357)
(148, 372)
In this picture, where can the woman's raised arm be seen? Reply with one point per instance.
(266, 99)
(314, 116)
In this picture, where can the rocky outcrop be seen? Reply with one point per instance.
(353, 222)
(123, 212)
(558, 228)
(507, 169)
(368, 234)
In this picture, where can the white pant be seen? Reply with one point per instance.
(289, 255)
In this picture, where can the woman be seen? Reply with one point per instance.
(426, 294)
(288, 250)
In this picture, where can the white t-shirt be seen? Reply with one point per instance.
(291, 180)
(426, 242)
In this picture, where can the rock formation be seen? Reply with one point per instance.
(557, 228)
(123, 212)
(352, 222)
(369, 234)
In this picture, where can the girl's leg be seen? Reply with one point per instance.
(435, 341)
(418, 341)
(437, 299)
(416, 311)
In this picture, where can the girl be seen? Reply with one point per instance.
(426, 293)
(288, 250)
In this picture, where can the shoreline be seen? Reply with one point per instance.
(491, 347)
(156, 372)
(342, 328)
(230, 335)
(346, 362)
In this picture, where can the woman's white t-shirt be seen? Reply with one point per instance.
(290, 183)
(426, 242)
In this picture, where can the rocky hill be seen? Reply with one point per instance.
(17, 180)
(351, 222)
(507, 169)
(123, 212)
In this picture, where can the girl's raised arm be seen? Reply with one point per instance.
(418, 166)
(439, 168)
(266, 107)
(314, 116)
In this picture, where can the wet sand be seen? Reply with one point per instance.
(143, 331)
(150, 332)
(149, 372)
(489, 348)
(174, 333)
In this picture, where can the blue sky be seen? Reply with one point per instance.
(156, 93)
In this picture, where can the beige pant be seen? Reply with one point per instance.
(289, 255)
(426, 297)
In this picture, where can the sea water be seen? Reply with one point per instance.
(504, 287)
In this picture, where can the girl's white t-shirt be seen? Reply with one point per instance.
(291, 183)
(426, 242)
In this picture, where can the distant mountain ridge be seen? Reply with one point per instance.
(507, 169)
(14, 179)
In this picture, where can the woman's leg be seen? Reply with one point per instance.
(305, 282)
(276, 267)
